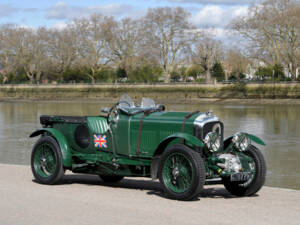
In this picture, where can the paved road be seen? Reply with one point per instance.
(85, 199)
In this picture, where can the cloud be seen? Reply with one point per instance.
(216, 16)
(7, 10)
(64, 11)
(220, 2)
(59, 25)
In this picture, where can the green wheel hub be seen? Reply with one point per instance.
(45, 160)
(178, 173)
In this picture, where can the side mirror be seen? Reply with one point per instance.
(105, 110)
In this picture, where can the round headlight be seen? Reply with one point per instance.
(212, 141)
(241, 141)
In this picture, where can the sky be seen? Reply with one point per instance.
(52, 13)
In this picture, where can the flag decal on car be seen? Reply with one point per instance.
(100, 141)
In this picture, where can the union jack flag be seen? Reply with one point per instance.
(100, 141)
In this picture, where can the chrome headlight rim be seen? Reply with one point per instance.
(241, 141)
(212, 141)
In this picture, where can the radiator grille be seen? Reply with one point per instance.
(201, 132)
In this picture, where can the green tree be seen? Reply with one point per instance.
(218, 72)
(242, 75)
(232, 78)
(278, 71)
(194, 70)
(264, 71)
(271, 71)
(175, 76)
(121, 73)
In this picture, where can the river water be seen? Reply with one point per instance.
(278, 126)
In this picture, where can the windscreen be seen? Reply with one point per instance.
(147, 103)
(126, 101)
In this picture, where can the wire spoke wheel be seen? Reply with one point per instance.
(252, 167)
(178, 172)
(46, 161)
(257, 178)
(181, 172)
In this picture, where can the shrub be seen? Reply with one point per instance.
(146, 73)
(75, 75)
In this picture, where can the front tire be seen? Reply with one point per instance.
(257, 181)
(46, 161)
(181, 172)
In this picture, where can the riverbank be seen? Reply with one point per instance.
(85, 199)
(283, 93)
(215, 101)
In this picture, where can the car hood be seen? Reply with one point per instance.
(167, 116)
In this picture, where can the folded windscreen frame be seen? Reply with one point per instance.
(147, 103)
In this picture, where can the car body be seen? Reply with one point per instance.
(184, 150)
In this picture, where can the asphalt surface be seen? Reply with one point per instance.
(85, 199)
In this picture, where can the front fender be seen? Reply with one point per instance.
(256, 139)
(252, 137)
(187, 137)
(62, 142)
(164, 143)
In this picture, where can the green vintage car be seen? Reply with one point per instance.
(183, 150)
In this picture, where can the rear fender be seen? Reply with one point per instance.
(62, 142)
(162, 146)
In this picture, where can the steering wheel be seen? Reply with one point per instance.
(113, 110)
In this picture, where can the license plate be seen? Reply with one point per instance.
(239, 176)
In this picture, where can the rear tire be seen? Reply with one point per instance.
(244, 189)
(46, 161)
(111, 179)
(181, 172)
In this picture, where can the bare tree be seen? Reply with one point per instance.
(272, 30)
(165, 30)
(7, 55)
(236, 62)
(32, 52)
(61, 45)
(164, 37)
(205, 52)
(124, 41)
(91, 44)
(23, 48)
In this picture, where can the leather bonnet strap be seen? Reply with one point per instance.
(184, 121)
(146, 113)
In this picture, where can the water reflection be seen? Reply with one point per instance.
(278, 125)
